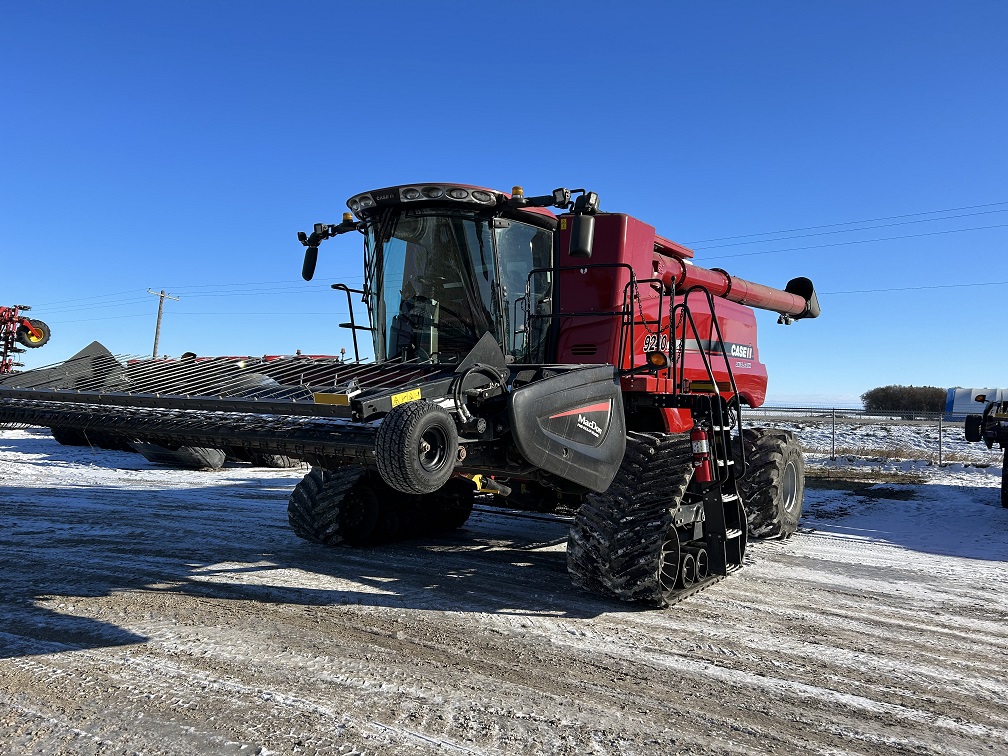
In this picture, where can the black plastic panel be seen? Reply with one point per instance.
(572, 425)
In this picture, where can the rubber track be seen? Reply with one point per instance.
(452, 505)
(761, 485)
(313, 509)
(615, 541)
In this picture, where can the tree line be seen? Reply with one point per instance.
(904, 399)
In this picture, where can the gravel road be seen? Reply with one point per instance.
(153, 611)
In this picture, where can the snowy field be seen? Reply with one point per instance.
(887, 440)
(155, 611)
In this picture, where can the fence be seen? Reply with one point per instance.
(934, 436)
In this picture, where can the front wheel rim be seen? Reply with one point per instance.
(433, 449)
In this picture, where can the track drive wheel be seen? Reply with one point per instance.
(623, 542)
(347, 505)
(773, 487)
(26, 338)
(416, 447)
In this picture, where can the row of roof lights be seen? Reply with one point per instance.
(412, 193)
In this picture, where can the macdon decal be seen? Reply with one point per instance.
(586, 424)
(589, 425)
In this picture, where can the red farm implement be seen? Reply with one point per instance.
(18, 333)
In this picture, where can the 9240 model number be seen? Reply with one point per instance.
(653, 343)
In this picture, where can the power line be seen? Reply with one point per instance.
(271, 315)
(302, 284)
(97, 306)
(261, 293)
(859, 241)
(852, 230)
(185, 291)
(84, 299)
(848, 223)
(920, 288)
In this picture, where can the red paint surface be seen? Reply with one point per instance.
(589, 289)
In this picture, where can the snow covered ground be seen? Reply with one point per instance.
(888, 440)
(156, 611)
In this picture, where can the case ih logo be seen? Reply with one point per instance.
(744, 351)
(386, 196)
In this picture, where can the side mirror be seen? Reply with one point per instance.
(310, 260)
(582, 235)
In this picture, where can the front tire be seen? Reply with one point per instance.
(416, 447)
(773, 486)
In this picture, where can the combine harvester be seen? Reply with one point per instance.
(576, 360)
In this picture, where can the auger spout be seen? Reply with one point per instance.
(796, 301)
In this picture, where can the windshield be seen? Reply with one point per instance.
(432, 284)
(435, 288)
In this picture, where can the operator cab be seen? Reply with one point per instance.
(445, 264)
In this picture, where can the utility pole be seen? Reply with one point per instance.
(160, 310)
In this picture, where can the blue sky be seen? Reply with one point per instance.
(182, 145)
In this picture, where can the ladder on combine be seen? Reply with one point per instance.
(718, 419)
(715, 420)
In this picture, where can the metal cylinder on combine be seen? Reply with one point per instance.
(797, 300)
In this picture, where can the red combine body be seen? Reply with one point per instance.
(631, 264)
